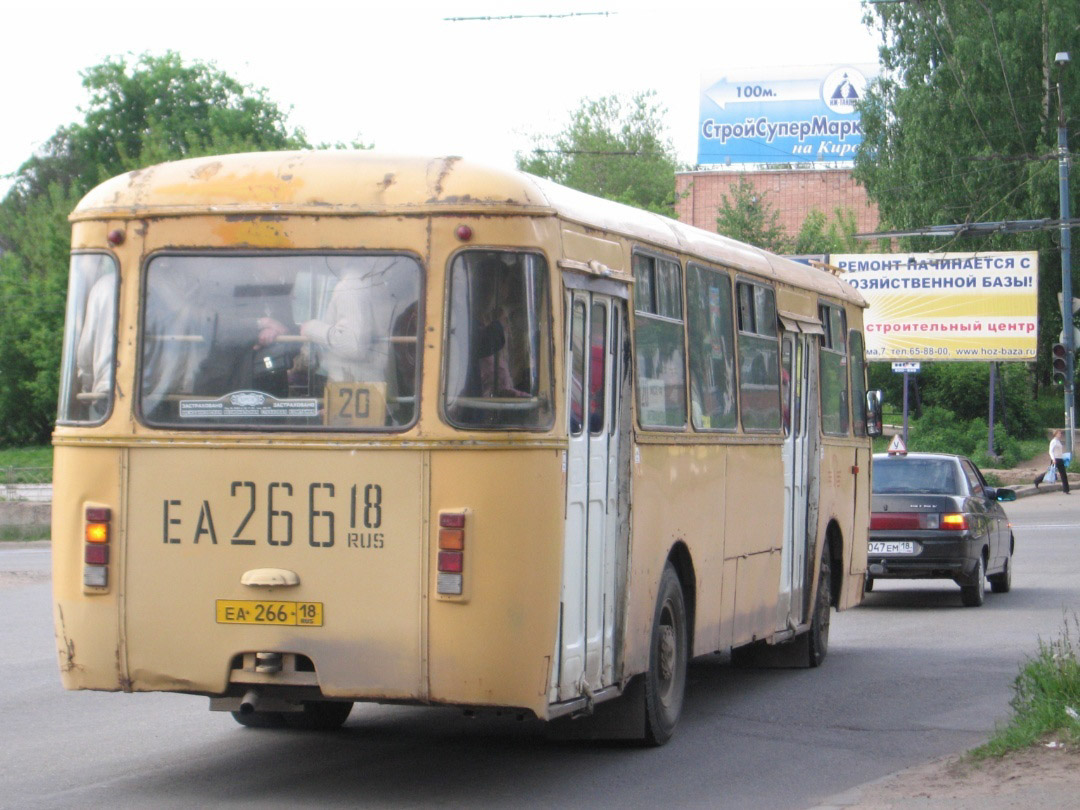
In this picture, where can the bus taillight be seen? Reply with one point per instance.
(451, 562)
(96, 553)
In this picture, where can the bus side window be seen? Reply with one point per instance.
(759, 364)
(497, 360)
(833, 371)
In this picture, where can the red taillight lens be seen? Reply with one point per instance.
(97, 555)
(452, 520)
(905, 520)
(896, 520)
(98, 514)
(451, 562)
(957, 521)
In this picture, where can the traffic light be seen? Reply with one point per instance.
(1060, 366)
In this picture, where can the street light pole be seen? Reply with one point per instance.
(1062, 60)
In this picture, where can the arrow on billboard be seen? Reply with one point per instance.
(726, 91)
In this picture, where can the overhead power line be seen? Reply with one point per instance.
(978, 228)
(533, 16)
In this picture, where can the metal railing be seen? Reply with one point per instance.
(25, 483)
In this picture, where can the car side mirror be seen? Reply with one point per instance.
(1002, 494)
(873, 413)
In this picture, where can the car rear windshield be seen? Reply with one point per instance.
(933, 476)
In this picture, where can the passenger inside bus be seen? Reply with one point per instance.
(493, 348)
(94, 353)
(345, 333)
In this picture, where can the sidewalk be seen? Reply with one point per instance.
(1038, 778)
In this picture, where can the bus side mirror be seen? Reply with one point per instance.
(873, 413)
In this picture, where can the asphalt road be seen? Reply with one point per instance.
(911, 675)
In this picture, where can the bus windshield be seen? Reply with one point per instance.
(285, 341)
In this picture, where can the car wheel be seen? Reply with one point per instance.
(319, 715)
(819, 623)
(665, 681)
(1002, 583)
(974, 595)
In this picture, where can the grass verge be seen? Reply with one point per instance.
(10, 534)
(1046, 703)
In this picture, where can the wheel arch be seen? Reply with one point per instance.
(683, 563)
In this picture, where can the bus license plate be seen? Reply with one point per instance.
(291, 614)
(894, 547)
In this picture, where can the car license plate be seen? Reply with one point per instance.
(290, 614)
(892, 547)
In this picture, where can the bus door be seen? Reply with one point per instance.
(586, 648)
(799, 454)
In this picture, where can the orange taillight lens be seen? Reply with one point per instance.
(954, 520)
(451, 539)
(97, 532)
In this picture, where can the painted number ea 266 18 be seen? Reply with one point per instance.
(353, 519)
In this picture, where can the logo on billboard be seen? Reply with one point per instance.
(842, 89)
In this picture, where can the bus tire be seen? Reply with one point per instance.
(319, 715)
(665, 681)
(818, 636)
(259, 719)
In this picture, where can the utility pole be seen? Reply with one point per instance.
(1062, 60)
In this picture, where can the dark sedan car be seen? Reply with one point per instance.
(935, 517)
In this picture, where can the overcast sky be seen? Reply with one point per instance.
(401, 76)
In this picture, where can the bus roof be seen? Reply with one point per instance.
(329, 183)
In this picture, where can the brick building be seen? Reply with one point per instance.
(792, 193)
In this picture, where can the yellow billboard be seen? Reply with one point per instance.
(947, 306)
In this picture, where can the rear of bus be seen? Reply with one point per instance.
(306, 449)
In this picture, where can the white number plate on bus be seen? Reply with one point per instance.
(892, 547)
(292, 614)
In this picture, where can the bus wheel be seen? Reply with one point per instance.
(259, 719)
(665, 682)
(819, 624)
(319, 715)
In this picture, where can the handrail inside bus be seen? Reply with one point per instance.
(498, 403)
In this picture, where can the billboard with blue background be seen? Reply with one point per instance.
(782, 115)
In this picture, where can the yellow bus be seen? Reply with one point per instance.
(337, 427)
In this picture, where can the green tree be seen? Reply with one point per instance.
(820, 234)
(961, 125)
(142, 112)
(749, 217)
(612, 147)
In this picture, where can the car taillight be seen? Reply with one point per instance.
(451, 559)
(957, 521)
(904, 520)
(97, 531)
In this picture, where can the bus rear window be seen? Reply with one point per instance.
(86, 375)
(498, 360)
(280, 341)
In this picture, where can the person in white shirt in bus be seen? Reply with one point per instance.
(347, 332)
